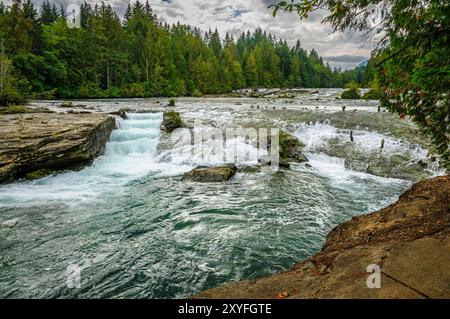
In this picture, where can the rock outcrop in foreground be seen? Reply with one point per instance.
(409, 241)
(37, 144)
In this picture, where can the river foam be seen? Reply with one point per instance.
(315, 135)
(129, 155)
(137, 231)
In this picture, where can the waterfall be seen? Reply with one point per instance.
(129, 155)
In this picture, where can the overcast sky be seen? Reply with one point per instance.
(345, 49)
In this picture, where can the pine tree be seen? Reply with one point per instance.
(251, 71)
(48, 13)
(142, 57)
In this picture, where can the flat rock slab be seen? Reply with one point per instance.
(409, 240)
(51, 141)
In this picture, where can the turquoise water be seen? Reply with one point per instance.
(137, 231)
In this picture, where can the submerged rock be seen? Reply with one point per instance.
(268, 93)
(220, 173)
(10, 223)
(409, 241)
(282, 162)
(171, 121)
(66, 104)
(377, 162)
(251, 169)
(78, 112)
(38, 144)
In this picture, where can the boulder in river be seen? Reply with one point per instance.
(66, 104)
(36, 144)
(351, 94)
(220, 173)
(171, 121)
(291, 149)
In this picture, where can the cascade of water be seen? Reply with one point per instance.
(318, 134)
(130, 154)
(207, 151)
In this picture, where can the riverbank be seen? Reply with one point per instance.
(409, 240)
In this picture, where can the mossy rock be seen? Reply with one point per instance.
(291, 148)
(351, 94)
(172, 102)
(288, 140)
(211, 174)
(171, 121)
(39, 174)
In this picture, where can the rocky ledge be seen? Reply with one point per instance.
(36, 144)
(409, 240)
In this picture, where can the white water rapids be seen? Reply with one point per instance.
(137, 231)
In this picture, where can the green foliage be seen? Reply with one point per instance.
(352, 85)
(10, 96)
(8, 89)
(352, 91)
(140, 57)
(351, 94)
(372, 94)
(412, 66)
(197, 93)
(172, 102)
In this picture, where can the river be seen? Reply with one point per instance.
(132, 229)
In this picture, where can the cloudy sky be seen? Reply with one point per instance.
(340, 49)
